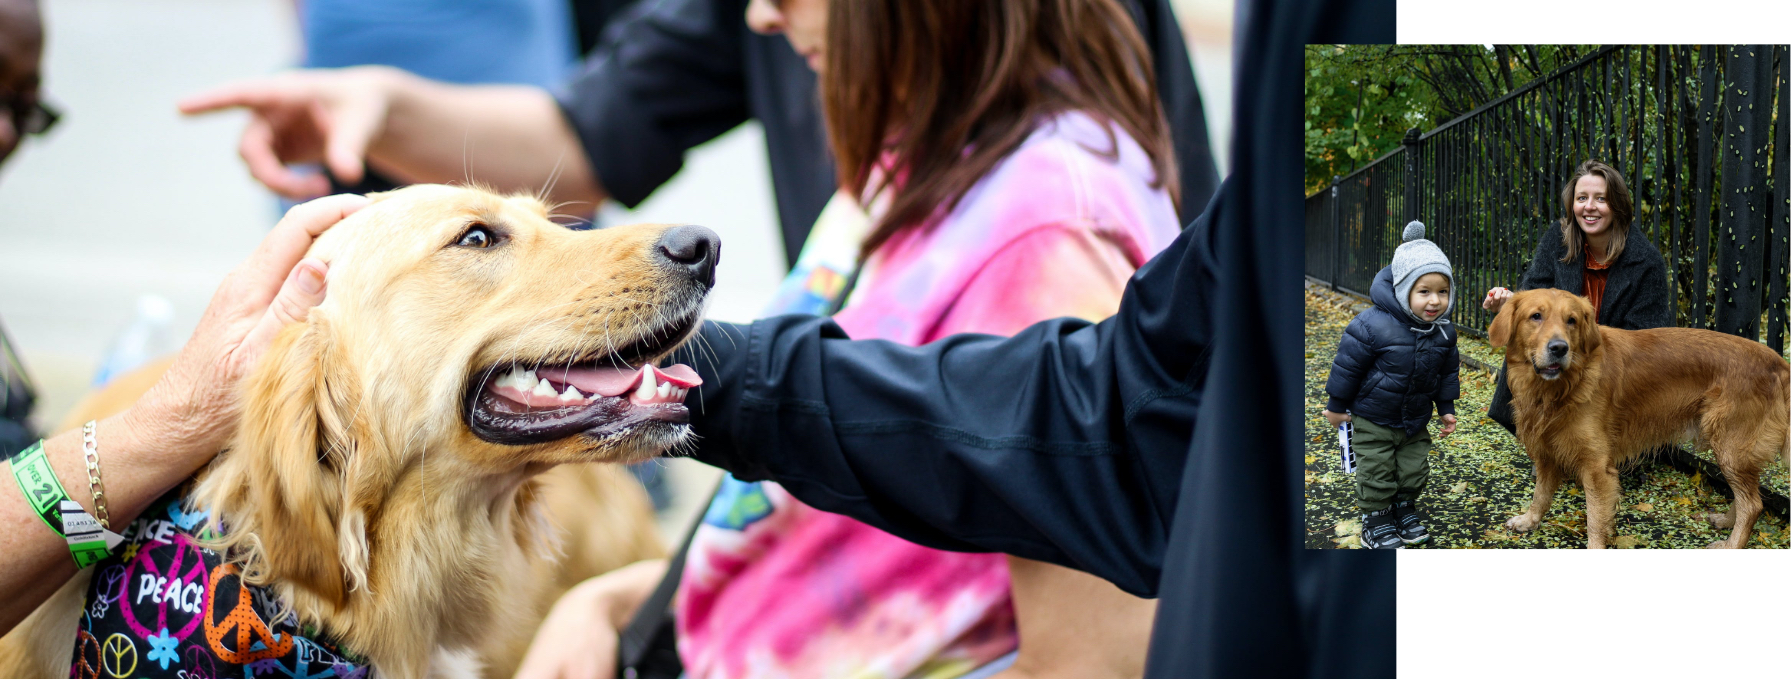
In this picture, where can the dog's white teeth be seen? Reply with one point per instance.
(571, 393)
(647, 388)
(680, 392)
(542, 389)
(665, 390)
(518, 379)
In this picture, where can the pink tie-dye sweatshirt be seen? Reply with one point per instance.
(774, 588)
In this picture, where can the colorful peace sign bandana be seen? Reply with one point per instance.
(164, 607)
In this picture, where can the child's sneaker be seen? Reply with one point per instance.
(1380, 531)
(1405, 514)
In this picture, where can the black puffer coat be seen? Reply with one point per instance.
(1390, 367)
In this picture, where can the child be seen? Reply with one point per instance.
(1395, 360)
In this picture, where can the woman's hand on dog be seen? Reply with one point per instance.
(1336, 419)
(181, 422)
(187, 417)
(1495, 299)
(581, 637)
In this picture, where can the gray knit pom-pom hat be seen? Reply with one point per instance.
(1415, 258)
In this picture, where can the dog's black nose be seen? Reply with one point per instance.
(1557, 348)
(692, 249)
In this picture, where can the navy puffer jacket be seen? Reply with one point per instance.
(1391, 367)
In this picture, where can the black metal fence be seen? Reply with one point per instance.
(1699, 133)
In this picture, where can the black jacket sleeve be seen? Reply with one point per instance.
(666, 77)
(1064, 443)
(1355, 355)
(1645, 290)
(1449, 389)
(1541, 273)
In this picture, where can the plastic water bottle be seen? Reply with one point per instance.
(146, 338)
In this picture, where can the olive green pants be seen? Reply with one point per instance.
(1391, 465)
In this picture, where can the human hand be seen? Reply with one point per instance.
(581, 636)
(188, 416)
(1495, 299)
(1336, 419)
(328, 115)
(1448, 425)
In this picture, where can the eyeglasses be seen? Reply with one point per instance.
(30, 116)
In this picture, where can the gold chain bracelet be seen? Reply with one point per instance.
(90, 446)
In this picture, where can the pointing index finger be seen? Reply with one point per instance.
(252, 94)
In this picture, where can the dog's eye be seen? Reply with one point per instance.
(1570, 321)
(477, 236)
(1536, 317)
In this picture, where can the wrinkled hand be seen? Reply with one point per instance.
(190, 414)
(1336, 419)
(328, 115)
(1495, 299)
(1448, 425)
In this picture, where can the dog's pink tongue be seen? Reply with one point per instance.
(611, 382)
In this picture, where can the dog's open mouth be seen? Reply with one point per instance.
(600, 397)
(1549, 372)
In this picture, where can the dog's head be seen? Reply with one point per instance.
(1550, 330)
(465, 340)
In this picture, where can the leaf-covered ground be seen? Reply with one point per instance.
(1480, 476)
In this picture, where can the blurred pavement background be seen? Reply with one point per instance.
(125, 197)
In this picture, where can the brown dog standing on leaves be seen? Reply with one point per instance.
(1589, 398)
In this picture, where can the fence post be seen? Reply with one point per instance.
(1412, 140)
(1336, 234)
(1743, 205)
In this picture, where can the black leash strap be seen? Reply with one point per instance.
(649, 645)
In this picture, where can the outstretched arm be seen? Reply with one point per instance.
(1064, 443)
(417, 130)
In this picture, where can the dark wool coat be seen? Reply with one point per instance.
(1635, 290)
(1390, 368)
(1635, 293)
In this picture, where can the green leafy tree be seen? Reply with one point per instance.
(1361, 99)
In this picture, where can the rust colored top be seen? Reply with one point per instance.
(1595, 273)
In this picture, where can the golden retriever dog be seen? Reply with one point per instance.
(387, 478)
(1590, 398)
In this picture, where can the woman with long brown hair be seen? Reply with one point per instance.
(1016, 166)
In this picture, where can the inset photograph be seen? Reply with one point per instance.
(1546, 296)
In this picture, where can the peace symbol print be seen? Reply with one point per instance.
(240, 637)
(164, 588)
(87, 655)
(118, 656)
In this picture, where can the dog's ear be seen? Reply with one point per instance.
(1500, 333)
(1590, 338)
(278, 491)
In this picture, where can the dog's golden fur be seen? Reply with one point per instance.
(354, 486)
(1620, 394)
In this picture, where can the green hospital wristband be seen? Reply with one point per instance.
(87, 541)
